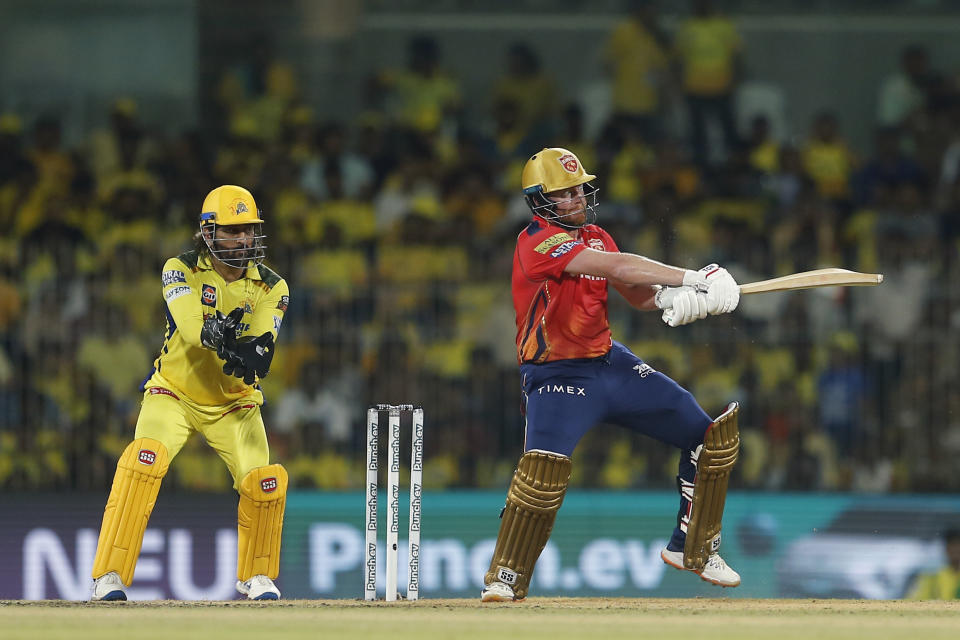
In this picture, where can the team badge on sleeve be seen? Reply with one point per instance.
(284, 301)
(208, 295)
(173, 276)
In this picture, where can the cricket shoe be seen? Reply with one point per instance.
(498, 592)
(259, 587)
(715, 571)
(108, 588)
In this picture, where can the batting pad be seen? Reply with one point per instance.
(263, 496)
(535, 495)
(135, 487)
(721, 445)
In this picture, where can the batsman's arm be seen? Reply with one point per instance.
(640, 296)
(182, 297)
(627, 268)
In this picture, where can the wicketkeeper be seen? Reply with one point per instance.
(224, 310)
(574, 375)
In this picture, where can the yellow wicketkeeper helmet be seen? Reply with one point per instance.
(227, 206)
(556, 169)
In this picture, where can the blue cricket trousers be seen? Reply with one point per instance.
(566, 398)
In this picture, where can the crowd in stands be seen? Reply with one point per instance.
(395, 231)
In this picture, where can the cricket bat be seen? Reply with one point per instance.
(832, 277)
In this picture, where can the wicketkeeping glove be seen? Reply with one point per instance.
(217, 327)
(248, 357)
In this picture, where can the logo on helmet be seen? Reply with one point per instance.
(569, 162)
(238, 207)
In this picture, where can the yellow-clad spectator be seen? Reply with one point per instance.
(105, 146)
(54, 166)
(422, 95)
(708, 49)
(528, 86)
(635, 55)
(355, 220)
(116, 358)
(764, 150)
(945, 583)
(827, 159)
(671, 170)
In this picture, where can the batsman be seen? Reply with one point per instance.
(224, 308)
(574, 375)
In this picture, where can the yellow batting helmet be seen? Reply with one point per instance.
(228, 205)
(555, 169)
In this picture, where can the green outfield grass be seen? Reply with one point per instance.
(553, 618)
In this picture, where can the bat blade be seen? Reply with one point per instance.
(832, 277)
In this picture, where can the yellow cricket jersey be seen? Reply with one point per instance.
(708, 48)
(193, 291)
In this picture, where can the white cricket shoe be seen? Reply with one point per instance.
(259, 587)
(715, 571)
(498, 592)
(108, 588)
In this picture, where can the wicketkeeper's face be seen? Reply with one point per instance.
(235, 240)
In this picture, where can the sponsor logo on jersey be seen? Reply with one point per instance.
(284, 302)
(208, 295)
(146, 457)
(643, 369)
(176, 292)
(277, 321)
(161, 391)
(560, 388)
(569, 162)
(596, 243)
(551, 242)
(269, 485)
(173, 276)
(564, 248)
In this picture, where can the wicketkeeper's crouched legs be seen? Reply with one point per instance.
(533, 499)
(263, 497)
(136, 484)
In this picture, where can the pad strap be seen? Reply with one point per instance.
(535, 495)
(263, 497)
(718, 454)
(136, 484)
